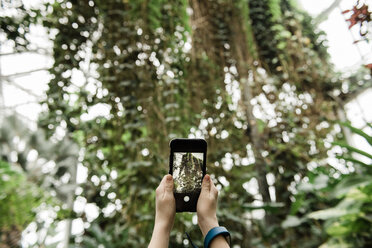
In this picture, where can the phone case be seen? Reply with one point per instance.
(187, 201)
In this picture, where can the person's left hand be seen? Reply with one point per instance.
(165, 204)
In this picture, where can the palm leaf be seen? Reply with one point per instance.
(352, 149)
(355, 161)
(358, 131)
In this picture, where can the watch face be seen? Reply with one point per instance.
(187, 171)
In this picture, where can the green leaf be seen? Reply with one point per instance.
(327, 214)
(352, 149)
(292, 221)
(338, 230)
(350, 182)
(297, 204)
(267, 206)
(261, 125)
(358, 131)
(355, 161)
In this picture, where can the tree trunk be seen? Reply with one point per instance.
(11, 237)
(243, 61)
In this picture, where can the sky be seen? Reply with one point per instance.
(345, 55)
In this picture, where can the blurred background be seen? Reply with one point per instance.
(92, 91)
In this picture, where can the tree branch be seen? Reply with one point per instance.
(325, 13)
(20, 104)
(28, 91)
(39, 51)
(21, 74)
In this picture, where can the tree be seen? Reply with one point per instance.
(251, 77)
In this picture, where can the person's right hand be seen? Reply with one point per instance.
(207, 205)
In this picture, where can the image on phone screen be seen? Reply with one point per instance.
(187, 171)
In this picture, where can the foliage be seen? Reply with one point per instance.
(114, 236)
(33, 153)
(19, 198)
(251, 77)
(361, 15)
(43, 166)
(342, 202)
(261, 20)
(15, 23)
(348, 223)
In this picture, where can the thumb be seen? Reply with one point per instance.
(206, 184)
(169, 183)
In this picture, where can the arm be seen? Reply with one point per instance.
(165, 212)
(206, 212)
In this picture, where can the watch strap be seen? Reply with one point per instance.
(214, 232)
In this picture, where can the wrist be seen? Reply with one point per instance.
(207, 224)
(160, 234)
(163, 226)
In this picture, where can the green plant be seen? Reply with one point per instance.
(18, 198)
(249, 76)
(348, 223)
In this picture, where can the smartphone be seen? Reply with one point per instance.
(187, 165)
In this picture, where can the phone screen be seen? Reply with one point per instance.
(187, 171)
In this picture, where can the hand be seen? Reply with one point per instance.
(165, 212)
(207, 205)
(165, 204)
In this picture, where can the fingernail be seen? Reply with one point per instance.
(206, 177)
(169, 178)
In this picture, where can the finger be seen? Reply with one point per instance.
(213, 189)
(206, 184)
(160, 189)
(168, 183)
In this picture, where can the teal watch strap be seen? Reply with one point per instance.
(214, 232)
